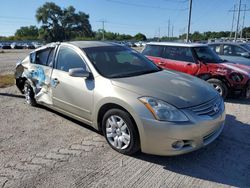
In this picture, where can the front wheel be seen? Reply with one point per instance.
(219, 86)
(120, 131)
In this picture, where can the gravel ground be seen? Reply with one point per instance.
(42, 148)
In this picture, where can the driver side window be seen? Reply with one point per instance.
(68, 58)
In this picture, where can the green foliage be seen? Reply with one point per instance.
(62, 24)
(27, 33)
(140, 37)
(111, 36)
(197, 36)
(246, 32)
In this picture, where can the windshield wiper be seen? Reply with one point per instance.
(134, 74)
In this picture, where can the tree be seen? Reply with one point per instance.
(27, 33)
(59, 25)
(140, 37)
(246, 32)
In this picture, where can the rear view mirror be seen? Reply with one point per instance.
(245, 54)
(79, 72)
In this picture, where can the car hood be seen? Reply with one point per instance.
(244, 69)
(178, 89)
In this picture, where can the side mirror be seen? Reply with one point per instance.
(79, 72)
(245, 54)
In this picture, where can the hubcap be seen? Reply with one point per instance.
(117, 132)
(218, 88)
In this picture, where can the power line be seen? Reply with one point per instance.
(144, 5)
(237, 26)
(232, 22)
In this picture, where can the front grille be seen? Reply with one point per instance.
(209, 108)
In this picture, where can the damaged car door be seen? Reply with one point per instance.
(73, 88)
(39, 74)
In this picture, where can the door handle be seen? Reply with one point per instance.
(54, 82)
(189, 64)
(161, 63)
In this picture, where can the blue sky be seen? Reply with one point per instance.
(130, 16)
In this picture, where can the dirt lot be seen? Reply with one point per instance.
(41, 148)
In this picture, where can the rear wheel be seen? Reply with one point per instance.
(247, 94)
(219, 86)
(120, 132)
(29, 94)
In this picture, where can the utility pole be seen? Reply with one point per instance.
(237, 26)
(168, 28)
(172, 31)
(159, 36)
(243, 22)
(231, 33)
(103, 22)
(189, 20)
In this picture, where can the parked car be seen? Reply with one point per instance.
(199, 60)
(118, 91)
(16, 45)
(5, 46)
(233, 52)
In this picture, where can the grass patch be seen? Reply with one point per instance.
(7, 80)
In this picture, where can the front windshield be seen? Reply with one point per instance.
(118, 62)
(207, 55)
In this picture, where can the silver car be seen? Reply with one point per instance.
(116, 90)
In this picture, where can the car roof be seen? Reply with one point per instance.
(90, 44)
(232, 43)
(177, 44)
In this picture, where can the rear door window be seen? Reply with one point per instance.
(178, 53)
(42, 57)
(153, 50)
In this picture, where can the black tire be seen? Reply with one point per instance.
(247, 92)
(219, 86)
(134, 143)
(29, 94)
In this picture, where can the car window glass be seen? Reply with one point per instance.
(207, 55)
(153, 50)
(238, 51)
(68, 58)
(215, 48)
(178, 53)
(122, 57)
(227, 49)
(117, 62)
(42, 56)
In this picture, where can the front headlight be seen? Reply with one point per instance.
(163, 111)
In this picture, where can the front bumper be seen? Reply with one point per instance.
(158, 137)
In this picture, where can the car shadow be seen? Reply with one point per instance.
(70, 119)
(226, 160)
(11, 95)
(238, 100)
